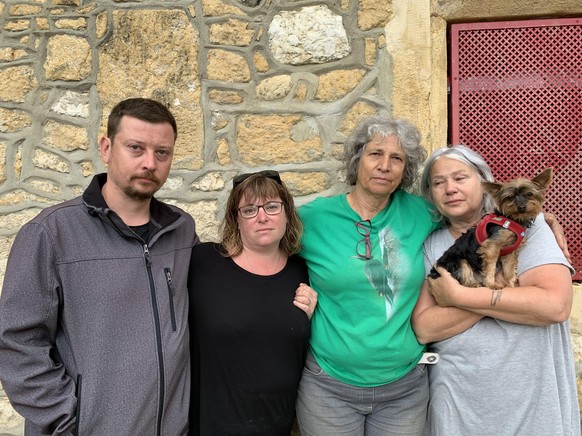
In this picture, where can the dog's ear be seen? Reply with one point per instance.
(543, 179)
(491, 187)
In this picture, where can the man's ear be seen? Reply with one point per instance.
(105, 149)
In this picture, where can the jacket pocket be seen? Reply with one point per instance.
(78, 391)
(168, 274)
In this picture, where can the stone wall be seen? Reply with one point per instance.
(254, 84)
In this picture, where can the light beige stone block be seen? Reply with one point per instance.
(13, 120)
(22, 9)
(337, 84)
(216, 8)
(68, 58)
(225, 97)
(274, 88)
(373, 13)
(16, 83)
(223, 152)
(164, 68)
(227, 66)
(50, 161)
(268, 140)
(300, 184)
(16, 25)
(75, 24)
(64, 137)
(232, 32)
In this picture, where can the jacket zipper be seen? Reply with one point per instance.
(77, 431)
(168, 274)
(158, 338)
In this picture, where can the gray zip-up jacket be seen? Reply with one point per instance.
(93, 321)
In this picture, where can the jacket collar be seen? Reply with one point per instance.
(161, 214)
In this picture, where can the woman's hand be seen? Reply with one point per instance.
(443, 289)
(305, 299)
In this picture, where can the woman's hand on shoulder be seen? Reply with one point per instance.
(305, 299)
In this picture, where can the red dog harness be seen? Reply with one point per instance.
(506, 223)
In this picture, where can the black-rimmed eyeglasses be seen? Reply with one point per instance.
(364, 227)
(270, 174)
(270, 208)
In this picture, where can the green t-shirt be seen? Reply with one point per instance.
(361, 332)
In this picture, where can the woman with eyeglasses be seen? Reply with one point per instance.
(364, 253)
(249, 314)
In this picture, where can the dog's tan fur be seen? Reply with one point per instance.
(531, 195)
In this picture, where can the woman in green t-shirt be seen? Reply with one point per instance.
(364, 254)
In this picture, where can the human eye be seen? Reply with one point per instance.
(135, 148)
(164, 153)
(437, 182)
(272, 207)
(248, 210)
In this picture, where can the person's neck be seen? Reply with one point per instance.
(261, 262)
(367, 206)
(131, 211)
(458, 227)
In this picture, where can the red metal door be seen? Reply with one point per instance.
(516, 98)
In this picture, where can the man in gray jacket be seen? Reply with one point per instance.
(93, 312)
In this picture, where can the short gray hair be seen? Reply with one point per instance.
(470, 158)
(379, 126)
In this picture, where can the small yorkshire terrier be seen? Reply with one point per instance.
(473, 258)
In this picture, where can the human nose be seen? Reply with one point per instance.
(450, 187)
(384, 163)
(149, 160)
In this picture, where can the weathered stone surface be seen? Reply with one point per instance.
(65, 2)
(223, 152)
(261, 63)
(232, 32)
(64, 137)
(227, 66)
(274, 88)
(17, 25)
(13, 120)
(50, 161)
(15, 220)
(77, 24)
(373, 13)
(47, 186)
(306, 183)
(337, 84)
(9, 54)
(370, 51)
(2, 162)
(268, 139)
(72, 104)
(216, 8)
(354, 115)
(212, 181)
(16, 83)
(101, 24)
(42, 23)
(225, 97)
(300, 92)
(68, 58)
(205, 213)
(164, 68)
(312, 35)
(219, 121)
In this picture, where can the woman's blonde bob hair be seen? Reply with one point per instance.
(253, 187)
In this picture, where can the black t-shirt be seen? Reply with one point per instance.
(248, 344)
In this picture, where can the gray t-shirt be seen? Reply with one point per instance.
(501, 378)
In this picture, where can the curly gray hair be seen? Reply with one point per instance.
(379, 126)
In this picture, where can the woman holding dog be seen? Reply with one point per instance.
(506, 364)
(249, 314)
(364, 253)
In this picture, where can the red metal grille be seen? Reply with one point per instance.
(516, 98)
